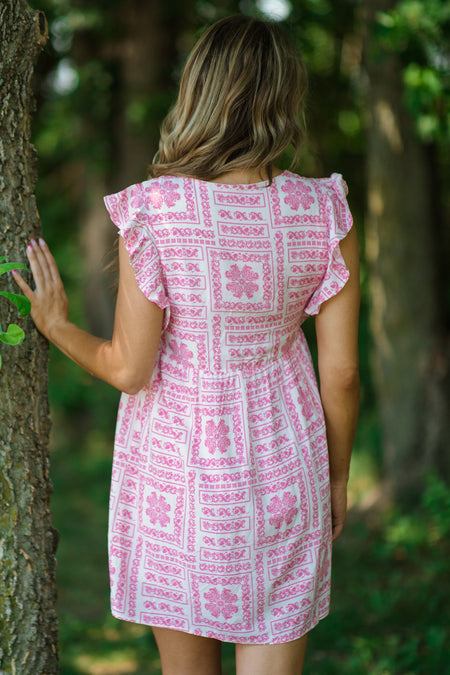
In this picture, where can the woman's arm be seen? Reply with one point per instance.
(127, 360)
(337, 341)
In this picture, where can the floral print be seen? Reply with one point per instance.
(180, 353)
(158, 509)
(306, 404)
(242, 281)
(221, 603)
(137, 196)
(163, 193)
(216, 437)
(283, 510)
(297, 194)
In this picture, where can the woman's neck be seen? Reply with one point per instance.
(245, 176)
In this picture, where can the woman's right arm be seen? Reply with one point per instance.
(337, 342)
(128, 359)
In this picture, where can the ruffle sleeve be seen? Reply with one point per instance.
(127, 211)
(340, 222)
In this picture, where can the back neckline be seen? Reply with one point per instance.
(263, 183)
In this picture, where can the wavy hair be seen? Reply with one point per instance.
(240, 103)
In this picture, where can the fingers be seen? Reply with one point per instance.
(43, 265)
(337, 531)
(49, 304)
(337, 524)
(22, 284)
(51, 264)
(39, 266)
(43, 268)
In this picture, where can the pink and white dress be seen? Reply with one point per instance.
(220, 509)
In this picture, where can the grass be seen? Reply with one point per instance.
(390, 578)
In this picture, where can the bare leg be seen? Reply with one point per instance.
(186, 654)
(284, 659)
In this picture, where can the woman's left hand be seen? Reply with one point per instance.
(49, 304)
(338, 507)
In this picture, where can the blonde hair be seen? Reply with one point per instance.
(240, 103)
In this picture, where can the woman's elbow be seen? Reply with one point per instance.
(131, 382)
(130, 389)
(345, 378)
(349, 378)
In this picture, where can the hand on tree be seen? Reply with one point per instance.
(338, 508)
(49, 304)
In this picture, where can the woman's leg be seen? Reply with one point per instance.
(185, 654)
(284, 659)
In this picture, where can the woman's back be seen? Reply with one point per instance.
(238, 267)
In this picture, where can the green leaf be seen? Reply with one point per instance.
(7, 267)
(20, 301)
(2, 258)
(13, 336)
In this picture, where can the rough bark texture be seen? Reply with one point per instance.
(408, 321)
(28, 624)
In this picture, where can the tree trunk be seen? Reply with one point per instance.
(411, 346)
(28, 623)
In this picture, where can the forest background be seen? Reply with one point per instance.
(378, 113)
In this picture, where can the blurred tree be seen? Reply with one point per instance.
(407, 247)
(136, 44)
(28, 624)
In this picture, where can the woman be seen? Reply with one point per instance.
(230, 472)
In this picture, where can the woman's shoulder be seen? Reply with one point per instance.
(160, 183)
(335, 182)
(155, 185)
(146, 202)
(152, 195)
(313, 195)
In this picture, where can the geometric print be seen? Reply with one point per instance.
(220, 519)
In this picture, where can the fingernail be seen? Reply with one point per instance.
(42, 242)
(13, 272)
(33, 243)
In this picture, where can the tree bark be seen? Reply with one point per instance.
(411, 359)
(28, 623)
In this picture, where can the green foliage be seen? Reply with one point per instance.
(14, 334)
(390, 615)
(418, 32)
(8, 267)
(20, 301)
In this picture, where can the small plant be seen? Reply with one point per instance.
(14, 334)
